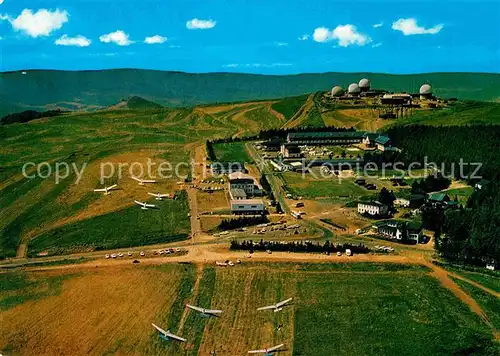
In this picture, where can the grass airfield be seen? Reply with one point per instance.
(359, 308)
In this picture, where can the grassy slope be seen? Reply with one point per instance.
(289, 106)
(387, 309)
(90, 89)
(488, 302)
(401, 314)
(128, 227)
(231, 152)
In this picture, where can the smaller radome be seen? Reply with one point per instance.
(364, 84)
(425, 89)
(337, 91)
(353, 88)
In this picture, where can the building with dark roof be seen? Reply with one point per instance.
(290, 151)
(237, 194)
(325, 138)
(408, 231)
(383, 143)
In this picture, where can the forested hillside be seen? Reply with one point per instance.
(450, 144)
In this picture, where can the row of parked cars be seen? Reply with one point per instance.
(142, 253)
(121, 254)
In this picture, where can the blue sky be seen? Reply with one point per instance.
(252, 36)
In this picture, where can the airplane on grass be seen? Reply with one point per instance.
(144, 206)
(267, 352)
(106, 190)
(142, 181)
(167, 335)
(205, 312)
(277, 307)
(159, 196)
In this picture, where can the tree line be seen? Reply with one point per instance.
(29, 115)
(230, 224)
(297, 246)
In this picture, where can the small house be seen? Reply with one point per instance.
(383, 143)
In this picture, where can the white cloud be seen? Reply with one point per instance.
(281, 44)
(197, 24)
(377, 25)
(41, 23)
(304, 38)
(321, 34)
(118, 37)
(79, 41)
(155, 39)
(410, 27)
(346, 35)
(377, 45)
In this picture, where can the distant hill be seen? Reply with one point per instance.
(137, 102)
(90, 90)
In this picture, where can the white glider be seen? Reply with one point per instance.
(142, 181)
(106, 190)
(267, 351)
(159, 196)
(167, 334)
(144, 206)
(277, 307)
(203, 311)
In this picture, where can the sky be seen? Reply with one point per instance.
(251, 36)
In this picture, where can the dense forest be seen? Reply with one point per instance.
(447, 146)
(471, 235)
(28, 115)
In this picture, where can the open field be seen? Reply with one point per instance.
(310, 187)
(231, 152)
(347, 309)
(124, 228)
(488, 302)
(461, 194)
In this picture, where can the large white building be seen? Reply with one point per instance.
(374, 208)
(247, 183)
(247, 206)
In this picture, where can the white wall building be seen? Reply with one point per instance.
(247, 206)
(244, 181)
(373, 208)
